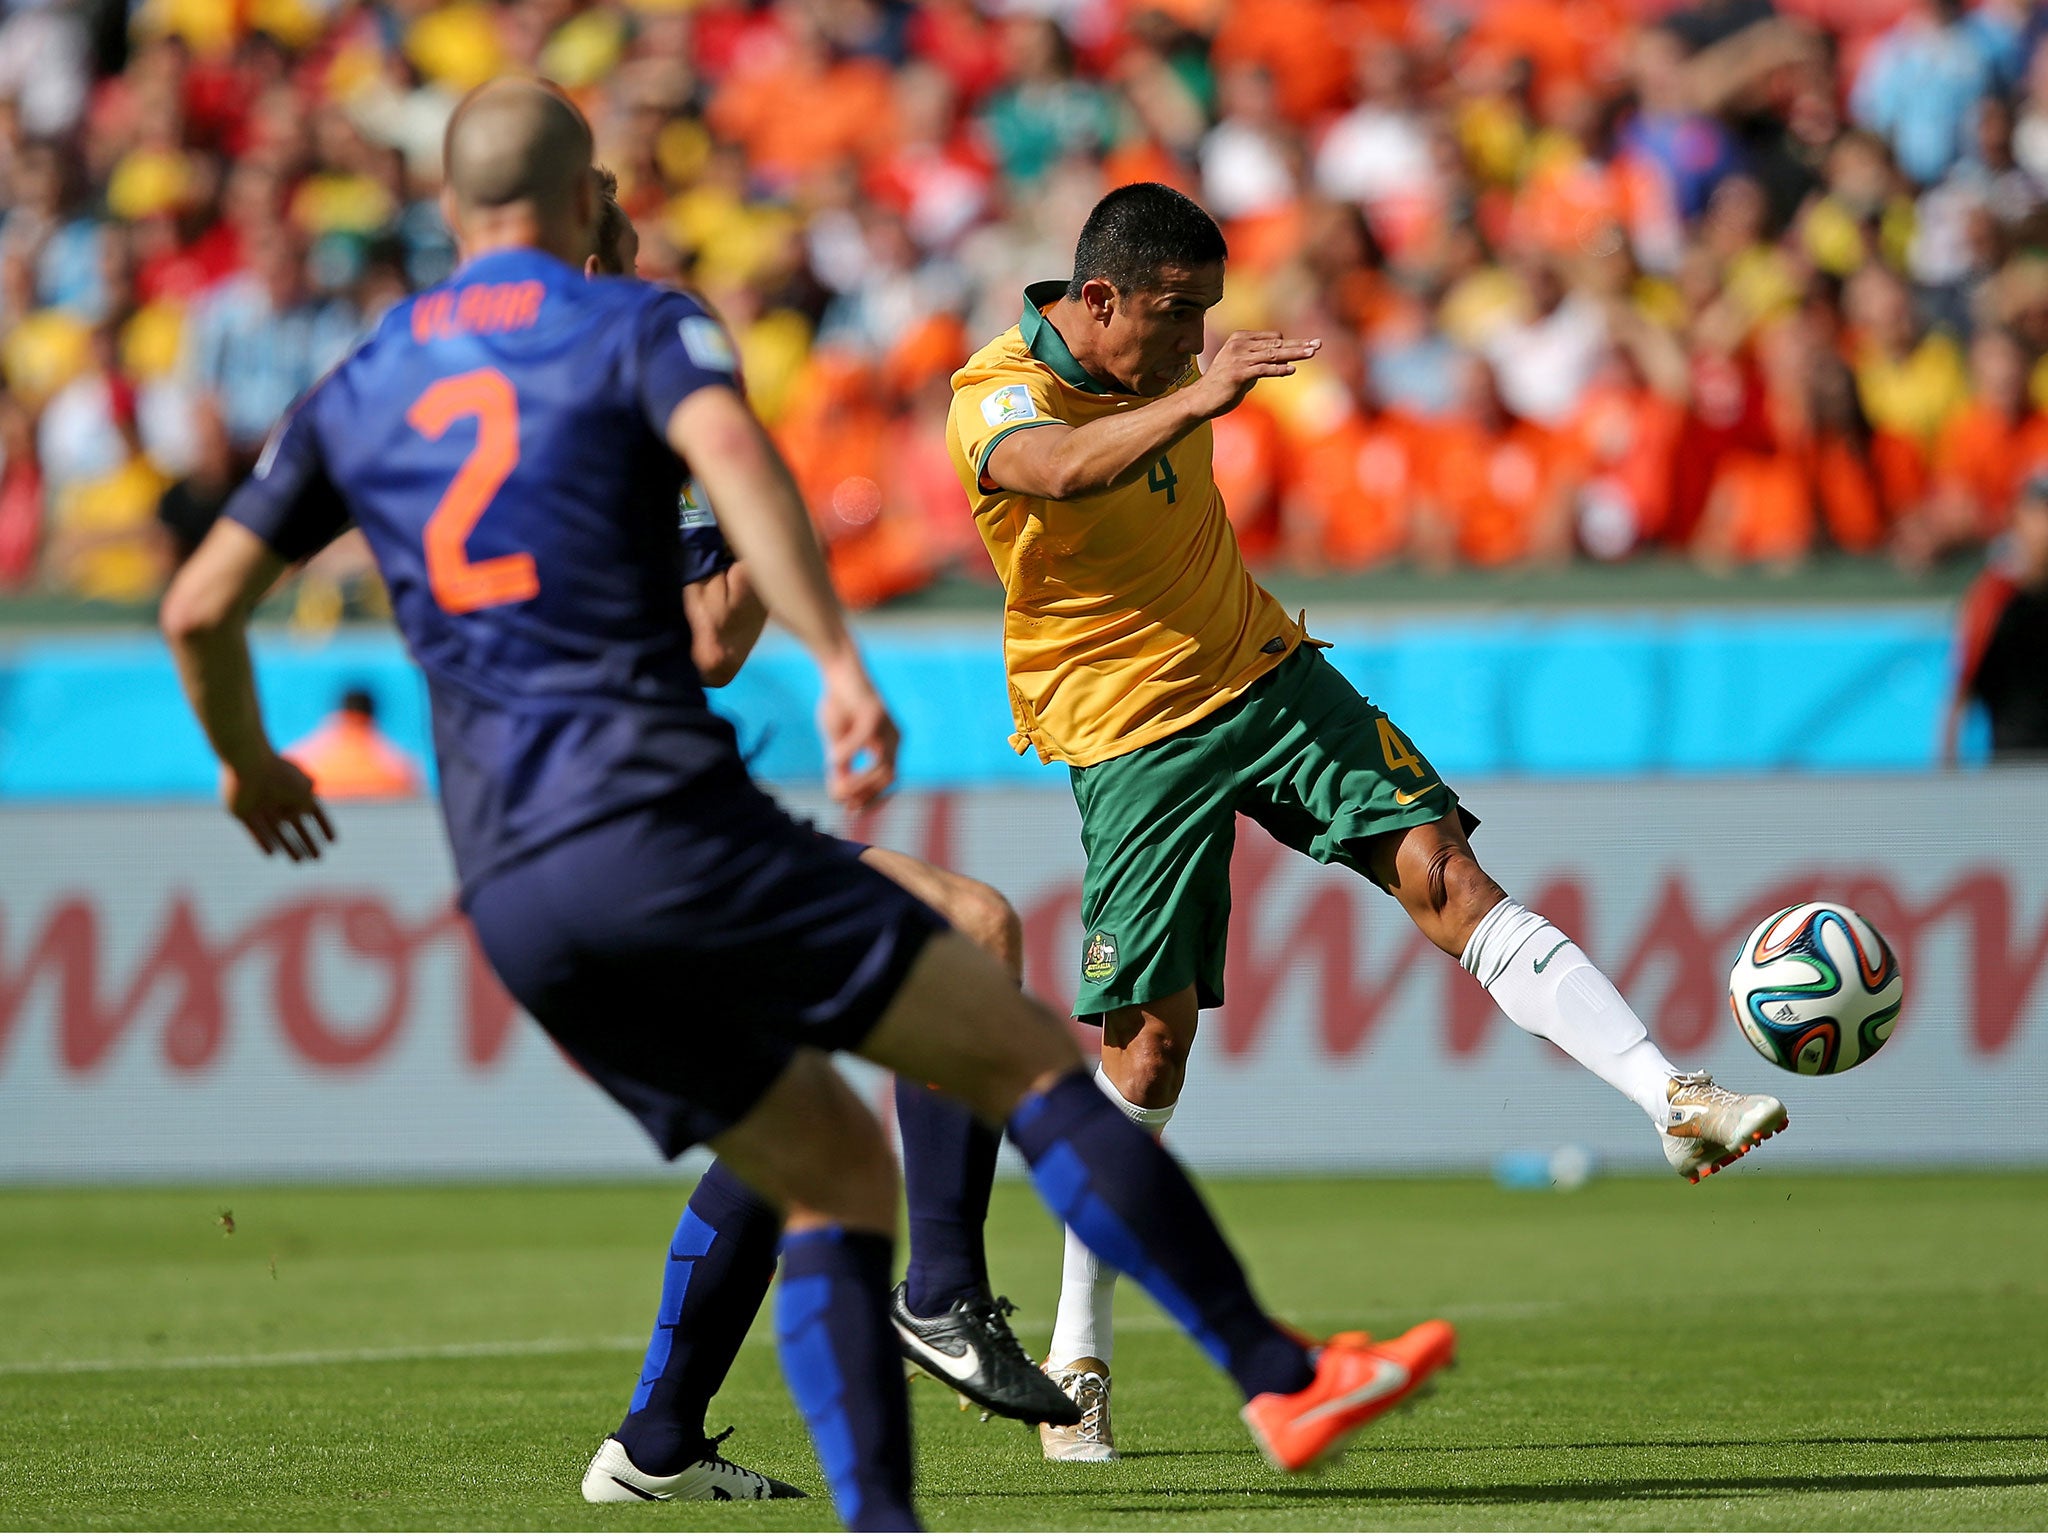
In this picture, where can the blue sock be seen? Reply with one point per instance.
(719, 1264)
(949, 1162)
(839, 1357)
(1129, 1201)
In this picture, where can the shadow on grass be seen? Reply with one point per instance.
(1987, 1438)
(1605, 1490)
(1626, 1445)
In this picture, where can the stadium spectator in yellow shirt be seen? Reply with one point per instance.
(1141, 653)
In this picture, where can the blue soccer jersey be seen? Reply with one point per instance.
(500, 440)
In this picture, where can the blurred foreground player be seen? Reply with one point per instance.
(2002, 640)
(722, 1255)
(1142, 654)
(511, 444)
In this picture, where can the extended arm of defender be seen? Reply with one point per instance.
(726, 618)
(1062, 463)
(205, 619)
(763, 516)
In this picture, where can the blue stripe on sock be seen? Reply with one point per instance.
(1062, 1179)
(693, 1239)
(814, 1381)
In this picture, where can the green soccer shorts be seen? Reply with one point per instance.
(1300, 752)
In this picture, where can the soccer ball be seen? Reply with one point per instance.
(1816, 989)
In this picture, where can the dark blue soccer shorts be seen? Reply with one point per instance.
(682, 952)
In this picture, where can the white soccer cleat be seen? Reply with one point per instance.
(1712, 1127)
(612, 1478)
(1086, 1381)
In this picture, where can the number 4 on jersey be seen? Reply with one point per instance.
(1162, 478)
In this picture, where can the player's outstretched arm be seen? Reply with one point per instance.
(205, 618)
(1060, 463)
(763, 516)
(726, 619)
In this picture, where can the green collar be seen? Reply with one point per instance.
(1046, 343)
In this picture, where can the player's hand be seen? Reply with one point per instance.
(274, 799)
(1245, 358)
(860, 738)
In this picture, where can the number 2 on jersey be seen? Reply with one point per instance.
(459, 584)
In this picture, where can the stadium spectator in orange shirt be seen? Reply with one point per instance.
(1813, 465)
(806, 108)
(1622, 440)
(1498, 492)
(1350, 500)
(1980, 459)
(1293, 40)
(1250, 456)
(349, 758)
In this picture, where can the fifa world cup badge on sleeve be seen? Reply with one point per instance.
(692, 511)
(706, 342)
(1098, 957)
(1010, 403)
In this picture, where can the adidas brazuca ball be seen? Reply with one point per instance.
(1816, 989)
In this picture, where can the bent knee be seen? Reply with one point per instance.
(1458, 894)
(983, 914)
(1150, 1064)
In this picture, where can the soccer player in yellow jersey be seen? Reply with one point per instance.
(1142, 655)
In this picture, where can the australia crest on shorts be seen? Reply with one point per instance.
(1098, 957)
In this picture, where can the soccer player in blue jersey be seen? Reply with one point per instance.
(511, 444)
(721, 1257)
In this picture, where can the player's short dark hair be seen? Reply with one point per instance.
(611, 222)
(359, 701)
(1136, 232)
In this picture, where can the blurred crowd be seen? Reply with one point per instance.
(1734, 280)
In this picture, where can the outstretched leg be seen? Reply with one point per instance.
(1546, 985)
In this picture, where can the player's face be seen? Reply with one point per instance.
(1155, 332)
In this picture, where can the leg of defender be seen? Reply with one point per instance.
(720, 1262)
(952, 1325)
(811, 1145)
(953, 1024)
(949, 1157)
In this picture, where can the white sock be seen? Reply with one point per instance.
(1545, 983)
(1083, 1328)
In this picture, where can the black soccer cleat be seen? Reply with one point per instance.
(971, 1349)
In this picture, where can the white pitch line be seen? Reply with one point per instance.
(479, 1351)
(492, 1349)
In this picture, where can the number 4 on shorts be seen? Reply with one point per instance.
(1396, 751)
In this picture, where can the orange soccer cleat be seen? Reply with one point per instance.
(1356, 1381)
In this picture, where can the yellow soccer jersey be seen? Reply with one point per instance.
(1129, 615)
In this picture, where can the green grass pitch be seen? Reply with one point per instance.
(1763, 1352)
